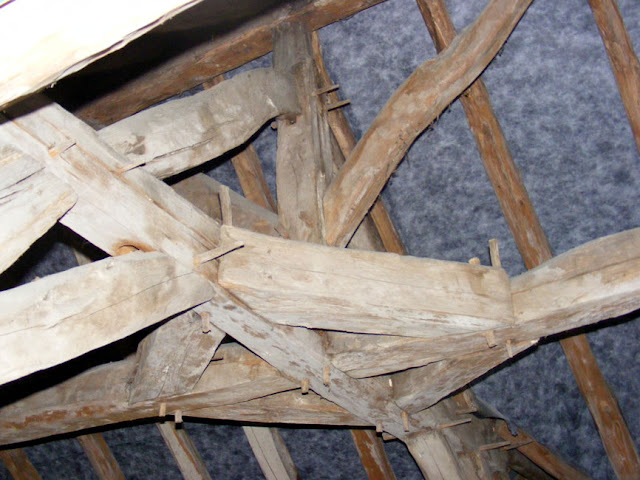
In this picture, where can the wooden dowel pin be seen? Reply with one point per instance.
(177, 417)
(304, 386)
(225, 205)
(491, 338)
(163, 410)
(326, 376)
(453, 424)
(333, 106)
(379, 428)
(494, 253)
(405, 421)
(330, 88)
(474, 261)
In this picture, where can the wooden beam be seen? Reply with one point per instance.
(99, 397)
(248, 169)
(49, 321)
(271, 452)
(294, 283)
(372, 454)
(346, 141)
(31, 201)
(184, 133)
(535, 249)
(222, 54)
(202, 191)
(541, 455)
(171, 359)
(434, 456)
(18, 464)
(102, 460)
(433, 86)
(623, 59)
(184, 451)
(419, 388)
(303, 163)
(58, 44)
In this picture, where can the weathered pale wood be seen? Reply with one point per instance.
(372, 454)
(184, 451)
(181, 134)
(346, 141)
(248, 169)
(102, 460)
(203, 191)
(18, 464)
(57, 44)
(584, 286)
(542, 456)
(100, 397)
(299, 284)
(598, 280)
(303, 164)
(419, 388)
(31, 201)
(223, 53)
(49, 321)
(433, 86)
(172, 358)
(434, 456)
(271, 452)
(624, 62)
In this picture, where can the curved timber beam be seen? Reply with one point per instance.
(417, 103)
(178, 135)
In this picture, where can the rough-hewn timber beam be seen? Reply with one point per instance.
(271, 453)
(184, 452)
(589, 275)
(195, 66)
(530, 237)
(99, 397)
(51, 320)
(31, 201)
(298, 284)
(57, 44)
(433, 86)
(624, 62)
(18, 464)
(102, 460)
(184, 133)
(297, 352)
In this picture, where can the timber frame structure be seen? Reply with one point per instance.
(276, 281)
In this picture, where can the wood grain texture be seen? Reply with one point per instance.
(381, 149)
(372, 454)
(434, 456)
(303, 159)
(31, 201)
(15, 460)
(525, 226)
(541, 455)
(184, 452)
(49, 321)
(222, 54)
(303, 285)
(271, 452)
(172, 358)
(623, 59)
(184, 133)
(99, 397)
(102, 460)
(58, 44)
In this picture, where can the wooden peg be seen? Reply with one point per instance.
(509, 349)
(333, 106)
(493, 446)
(163, 410)
(217, 252)
(405, 421)
(456, 423)
(326, 376)
(379, 427)
(225, 205)
(466, 411)
(206, 321)
(474, 261)
(494, 253)
(330, 88)
(387, 437)
(177, 416)
(304, 386)
(491, 338)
